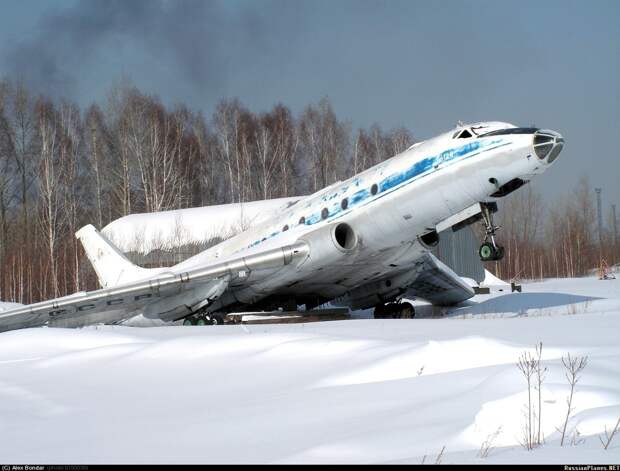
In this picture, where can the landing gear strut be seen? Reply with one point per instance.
(489, 250)
(402, 310)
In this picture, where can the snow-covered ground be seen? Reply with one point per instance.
(348, 391)
(4, 306)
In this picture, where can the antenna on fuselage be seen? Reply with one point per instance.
(460, 124)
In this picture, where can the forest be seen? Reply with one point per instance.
(63, 166)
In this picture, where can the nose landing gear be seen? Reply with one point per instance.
(489, 250)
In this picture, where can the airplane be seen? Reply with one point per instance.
(362, 243)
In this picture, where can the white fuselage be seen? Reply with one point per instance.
(388, 207)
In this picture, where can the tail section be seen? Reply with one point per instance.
(112, 267)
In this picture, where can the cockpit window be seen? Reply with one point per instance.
(501, 132)
(476, 130)
(464, 134)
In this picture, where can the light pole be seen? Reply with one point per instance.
(599, 215)
(615, 225)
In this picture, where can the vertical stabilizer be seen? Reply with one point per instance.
(112, 267)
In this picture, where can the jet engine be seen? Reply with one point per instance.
(330, 243)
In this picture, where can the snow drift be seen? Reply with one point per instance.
(346, 391)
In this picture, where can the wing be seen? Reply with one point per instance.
(437, 283)
(169, 295)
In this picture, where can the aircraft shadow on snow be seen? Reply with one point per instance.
(522, 304)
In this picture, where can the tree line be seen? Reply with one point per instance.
(557, 238)
(62, 167)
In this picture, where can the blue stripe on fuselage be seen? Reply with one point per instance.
(418, 169)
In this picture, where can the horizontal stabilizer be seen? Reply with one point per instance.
(438, 283)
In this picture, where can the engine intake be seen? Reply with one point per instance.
(330, 242)
(344, 236)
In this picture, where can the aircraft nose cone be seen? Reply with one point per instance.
(548, 144)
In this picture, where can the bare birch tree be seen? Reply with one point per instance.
(72, 174)
(226, 125)
(49, 185)
(98, 155)
(323, 142)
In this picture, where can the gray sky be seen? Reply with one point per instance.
(421, 64)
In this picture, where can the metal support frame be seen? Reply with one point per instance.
(490, 228)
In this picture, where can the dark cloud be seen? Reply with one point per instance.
(421, 64)
(192, 36)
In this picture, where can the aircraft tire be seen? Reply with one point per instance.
(407, 310)
(499, 253)
(486, 252)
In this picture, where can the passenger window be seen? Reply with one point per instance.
(324, 213)
(285, 228)
(374, 189)
(302, 220)
(344, 204)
